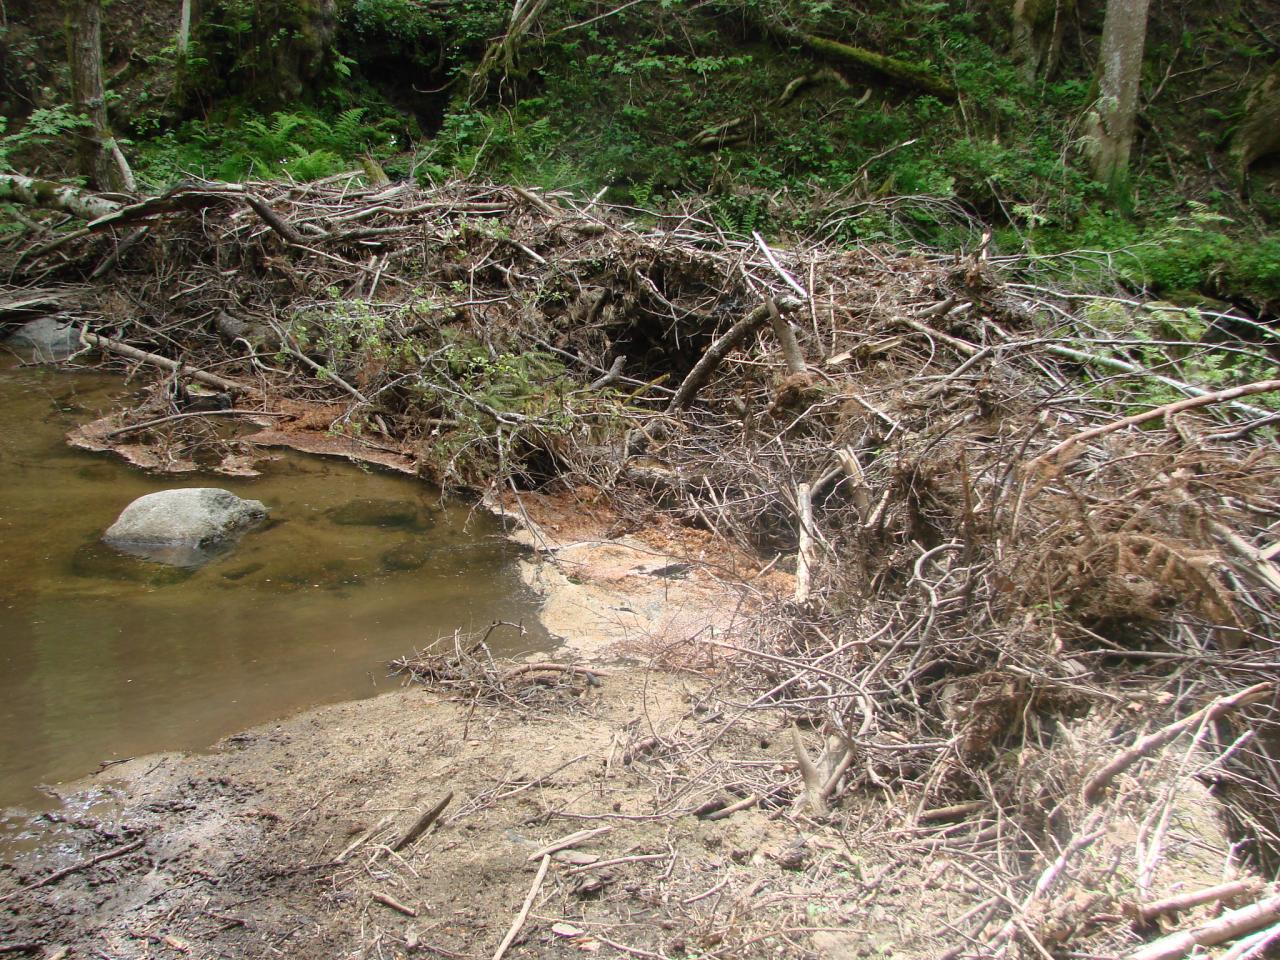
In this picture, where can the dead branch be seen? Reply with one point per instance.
(813, 779)
(15, 188)
(1147, 745)
(164, 363)
(1229, 926)
(148, 424)
(423, 822)
(720, 348)
(389, 901)
(912, 75)
(524, 909)
(1059, 453)
(787, 340)
(572, 840)
(76, 868)
(547, 667)
(274, 220)
(804, 557)
(1185, 901)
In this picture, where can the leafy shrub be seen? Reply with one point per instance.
(43, 126)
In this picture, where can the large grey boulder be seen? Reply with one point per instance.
(183, 527)
(45, 340)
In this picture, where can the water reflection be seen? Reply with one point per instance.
(105, 656)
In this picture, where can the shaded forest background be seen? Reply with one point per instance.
(973, 118)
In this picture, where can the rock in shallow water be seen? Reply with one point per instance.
(183, 527)
(46, 340)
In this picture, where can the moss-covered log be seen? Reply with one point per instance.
(900, 72)
(15, 188)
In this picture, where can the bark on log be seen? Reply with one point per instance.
(15, 188)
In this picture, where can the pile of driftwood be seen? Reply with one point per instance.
(1030, 561)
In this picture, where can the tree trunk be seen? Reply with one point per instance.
(1038, 29)
(184, 30)
(99, 155)
(1109, 125)
(1258, 135)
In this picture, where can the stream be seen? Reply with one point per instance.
(104, 657)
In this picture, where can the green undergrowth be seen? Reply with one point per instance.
(672, 104)
(306, 144)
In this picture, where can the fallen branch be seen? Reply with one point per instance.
(389, 901)
(1060, 451)
(134, 427)
(15, 188)
(902, 72)
(423, 822)
(1185, 901)
(1254, 945)
(1144, 746)
(813, 779)
(564, 843)
(611, 376)
(787, 278)
(84, 865)
(593, 675)
(719, 349)
(724, 812)
(787, 340)
(524, 910)
(274, 220)
(133, 353)
(364, 837)
(1124, 366)
(1229, 926)
(804, 556)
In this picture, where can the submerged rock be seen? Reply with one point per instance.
(411, 555)
(184, 527)
(45, 340)
(376, 513)
(94, 561)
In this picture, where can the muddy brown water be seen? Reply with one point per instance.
(105, 657)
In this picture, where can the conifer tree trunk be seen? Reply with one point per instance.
(98, 154)
(1111, 120)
